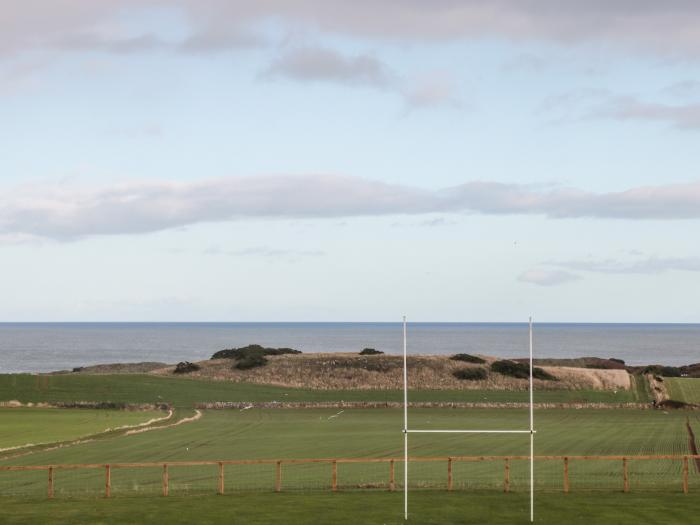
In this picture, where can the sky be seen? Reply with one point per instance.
(325, 160)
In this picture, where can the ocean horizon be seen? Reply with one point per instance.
(52, 346)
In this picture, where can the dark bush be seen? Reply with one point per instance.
(237, 353)
(185, 367)
(621, 361)
(520, 370)
(370, 351)
(665, 371)
(470, 374)
(250, 361)
(78, 368)
(468, 358)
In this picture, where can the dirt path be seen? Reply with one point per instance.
(197, 415)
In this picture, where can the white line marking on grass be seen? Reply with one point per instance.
(197, 415)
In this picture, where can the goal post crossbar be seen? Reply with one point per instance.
(406, 431)
(420, 431)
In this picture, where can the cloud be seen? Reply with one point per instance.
(220, 40)
(649, 265)
(316, 64)
(683, 89)
(650, 26)
(91, 41)
(681, 116)
(319, 64)
(599, 103)
(68, 211)
(431, 91)
(545, 277)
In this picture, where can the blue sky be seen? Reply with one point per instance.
(454, 161)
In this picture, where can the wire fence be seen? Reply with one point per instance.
(502, 473)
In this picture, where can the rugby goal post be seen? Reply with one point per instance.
(407, 430)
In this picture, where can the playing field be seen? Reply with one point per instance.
(373, 433)
(685, 389)
(22, 426)
(185, 392)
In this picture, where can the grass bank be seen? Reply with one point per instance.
(185, 392)
(685, 389)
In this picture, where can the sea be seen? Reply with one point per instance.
(45, 347)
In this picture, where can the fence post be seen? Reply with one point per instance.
(108, 481)
(50, 489)
(221, 478)
(334, 477)
(506, 476)
(566, 475)
(625, 476)
(449, 473)
(392, 479)
(166, 480)
(685, 475)
(278, 477)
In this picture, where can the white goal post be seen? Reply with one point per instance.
(407, 430)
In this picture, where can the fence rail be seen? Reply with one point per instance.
(218, 474)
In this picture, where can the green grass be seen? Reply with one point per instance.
(685, 389)
(640, 389)
(305, 433)
(185, 392)
(314, 433)
(375, 508)
(20, 426)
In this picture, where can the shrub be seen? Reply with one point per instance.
(250, 361)
(470, 374)
(370, 351)
(665, 371)
(520, 370)
(238, 353)
(185, 367)
(251, 356)
(468, 358)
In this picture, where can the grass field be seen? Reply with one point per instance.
(185, 392)
(316, 433)
(20, 426)
(305, 433)
(373, 508)
(686, 389)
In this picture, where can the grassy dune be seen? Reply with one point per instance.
(184, 392)
(20, 426)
